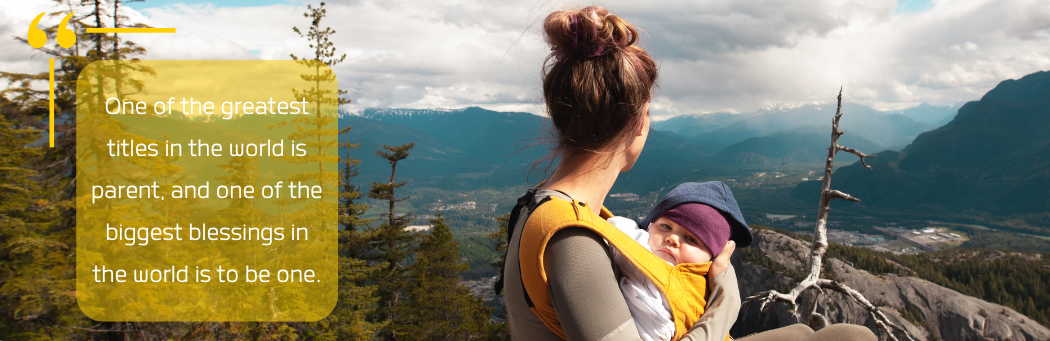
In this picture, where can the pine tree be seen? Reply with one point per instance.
(320, 138)
(34, 298)
(353, 239)
(313, 130)
(500, 236)
(357, 299)
(382, 191)
(391, 245)
(350, 213)
(39, 258)
(170, 177)
(439, 307)
(356, 302)
(241, 172)
(501, 330)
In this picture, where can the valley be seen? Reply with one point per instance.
(944, 187)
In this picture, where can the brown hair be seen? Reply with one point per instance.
(596, 80)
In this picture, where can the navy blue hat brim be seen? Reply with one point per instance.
(712, 193)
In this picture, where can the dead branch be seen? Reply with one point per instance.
(769, 299)
(880, 319)
(834, 194)
(857, 153)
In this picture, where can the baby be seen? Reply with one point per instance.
(690, 225)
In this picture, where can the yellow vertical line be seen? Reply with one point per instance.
(51, 98)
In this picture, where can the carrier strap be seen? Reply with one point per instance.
(515, 213)
(683, 285)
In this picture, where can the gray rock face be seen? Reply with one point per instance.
(933, 312)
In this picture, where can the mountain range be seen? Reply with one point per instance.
(455, 149)
(932, 114)
(993, 158)
(474, 147)
(805, 145)
(889, 130)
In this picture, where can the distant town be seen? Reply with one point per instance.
(882, 236)
(901, 240)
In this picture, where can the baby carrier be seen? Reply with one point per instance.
(684, 285)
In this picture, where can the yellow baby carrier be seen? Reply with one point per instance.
(683, 285)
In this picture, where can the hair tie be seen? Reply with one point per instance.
(589, 48)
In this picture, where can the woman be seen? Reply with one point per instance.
(597, 86)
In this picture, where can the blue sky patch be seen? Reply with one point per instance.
(916, 6)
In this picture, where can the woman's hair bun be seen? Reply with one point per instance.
(589, 32)
(597, 82)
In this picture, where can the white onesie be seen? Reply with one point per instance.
(649, 308)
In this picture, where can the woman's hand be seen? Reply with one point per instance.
(721, 262)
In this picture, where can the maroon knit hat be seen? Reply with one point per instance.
(703, 221)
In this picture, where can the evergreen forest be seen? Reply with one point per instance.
(394, 284)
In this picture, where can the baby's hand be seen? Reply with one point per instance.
(722, 261)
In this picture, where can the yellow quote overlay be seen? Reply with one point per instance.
(206, 190)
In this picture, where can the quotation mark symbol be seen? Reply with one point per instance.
(37, 38)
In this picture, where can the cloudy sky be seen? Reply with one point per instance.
(714, 55)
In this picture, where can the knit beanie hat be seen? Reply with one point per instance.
(706, 223)
(712, 193)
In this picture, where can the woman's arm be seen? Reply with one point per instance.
(588, 301)
(722, 308)
(584, 288)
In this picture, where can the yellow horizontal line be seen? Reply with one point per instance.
(131, 30)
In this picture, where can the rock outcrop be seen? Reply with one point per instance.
(928, 311)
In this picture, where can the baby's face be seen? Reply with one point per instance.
(674, 244)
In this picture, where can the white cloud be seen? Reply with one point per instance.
(721, 55)
(15, 17)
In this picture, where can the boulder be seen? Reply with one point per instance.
(928, 311)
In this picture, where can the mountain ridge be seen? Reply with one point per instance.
(994, 151)
(889, 129)
(992, 159)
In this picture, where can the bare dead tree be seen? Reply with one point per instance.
(808, 314)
